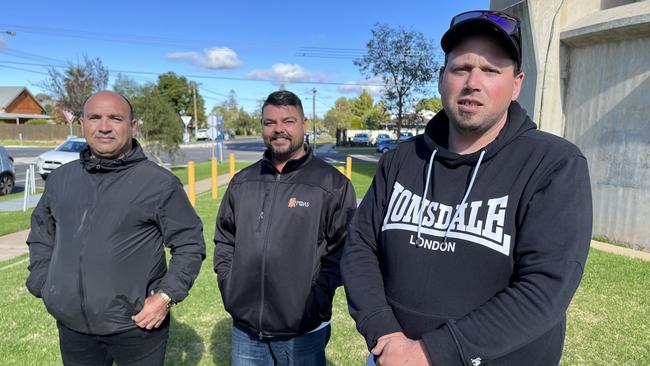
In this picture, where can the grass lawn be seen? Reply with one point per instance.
(13, 221)
(30, 143)
(204, 170)
(608, 322)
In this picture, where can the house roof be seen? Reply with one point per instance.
(9, 93)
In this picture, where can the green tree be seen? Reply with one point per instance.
(178, 91)
(76, 83)
(127, 87)
(161, 124)
(406, 62)
(429, 104)
(339, 117)
(362, 104)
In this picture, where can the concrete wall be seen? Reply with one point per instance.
(591, 84)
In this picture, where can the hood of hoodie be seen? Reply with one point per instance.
(438, 127)
(98, 165)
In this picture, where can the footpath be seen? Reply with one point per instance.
(13, 245)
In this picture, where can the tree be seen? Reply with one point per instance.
(178, 91)
(406, 62)
(161, 125)
(429, 104)
(72, 87)
(127, 87)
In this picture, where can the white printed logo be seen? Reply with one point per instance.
(476, 361)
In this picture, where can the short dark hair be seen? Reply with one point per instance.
(83, 111)
(517, 69)
(282, 98)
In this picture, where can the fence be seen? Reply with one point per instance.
(38, 132)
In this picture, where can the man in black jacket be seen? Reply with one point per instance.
(279, 238)
(472, 239)
(97, 242)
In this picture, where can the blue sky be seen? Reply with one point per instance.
(246, 46)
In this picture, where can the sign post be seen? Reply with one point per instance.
(186, 121)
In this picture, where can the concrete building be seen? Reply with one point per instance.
(587, 65)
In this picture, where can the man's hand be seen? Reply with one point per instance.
(152, 314)
(397, 349)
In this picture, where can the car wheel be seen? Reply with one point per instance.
(384, 150)
(6, 184)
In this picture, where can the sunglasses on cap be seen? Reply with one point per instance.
(509, 24)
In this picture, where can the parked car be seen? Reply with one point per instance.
(202, 134)
(384, 146)
(65, 153)
(405, 135)
(7, 172)
(382, 137)
(361, 139)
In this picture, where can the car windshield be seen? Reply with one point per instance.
(71, 146)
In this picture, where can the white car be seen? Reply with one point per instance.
(65, 153)
(202, 134)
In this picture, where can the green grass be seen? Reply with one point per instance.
(13, 221)
(17, 195)
(204, 170)
(607, 321)
(30, 143)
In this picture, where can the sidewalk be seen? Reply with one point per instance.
(13, 245)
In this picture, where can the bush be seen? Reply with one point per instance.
(38, 121)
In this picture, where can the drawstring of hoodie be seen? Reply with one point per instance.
(426, 188)
(469, 189)
(467, 192)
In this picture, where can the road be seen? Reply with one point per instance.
(245, 149)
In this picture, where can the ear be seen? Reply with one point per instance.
(134, 126)
(441, 75)
(516, 87)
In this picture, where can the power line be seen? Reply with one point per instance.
(212, 77)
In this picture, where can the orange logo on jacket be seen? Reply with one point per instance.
(292, 202)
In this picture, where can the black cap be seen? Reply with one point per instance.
(458, 32)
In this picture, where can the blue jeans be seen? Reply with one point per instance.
(305, 349)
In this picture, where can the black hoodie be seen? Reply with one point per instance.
(503, 238)
(96, 241)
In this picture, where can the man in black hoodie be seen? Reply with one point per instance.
(97, 239)
(472, 239)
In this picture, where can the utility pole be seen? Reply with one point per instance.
(196, 119)
(313, 116)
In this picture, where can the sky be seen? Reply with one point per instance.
(250, 47)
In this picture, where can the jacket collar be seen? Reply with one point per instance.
(98, 165)
(291, 165)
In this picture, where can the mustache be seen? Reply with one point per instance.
(276, 136)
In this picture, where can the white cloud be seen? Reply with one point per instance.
(212, 58)
(374, 86)
(286, 73)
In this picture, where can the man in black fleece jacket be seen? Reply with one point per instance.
(472, 239)
(96, 245)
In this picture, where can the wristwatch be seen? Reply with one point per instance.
(166, 298)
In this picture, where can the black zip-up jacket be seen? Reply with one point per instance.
(483, 269)
(279, 239)
(97, 239)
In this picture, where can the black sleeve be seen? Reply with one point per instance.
(339, 216)
(364, 284)
(551, 251)
(183, 234)
(224, 238)
(41, 244)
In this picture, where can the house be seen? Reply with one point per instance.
(18, 105)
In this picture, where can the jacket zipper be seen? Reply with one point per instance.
(266, 236)
(260, 217)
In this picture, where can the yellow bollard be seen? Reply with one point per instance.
(348, 167)
(232, 165)
(342, 170)
(215, 192)
(191, 192)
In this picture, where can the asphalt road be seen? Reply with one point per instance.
(245, 149)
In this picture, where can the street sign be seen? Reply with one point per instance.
(212, 133)
(186, 120)
(212, 121)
